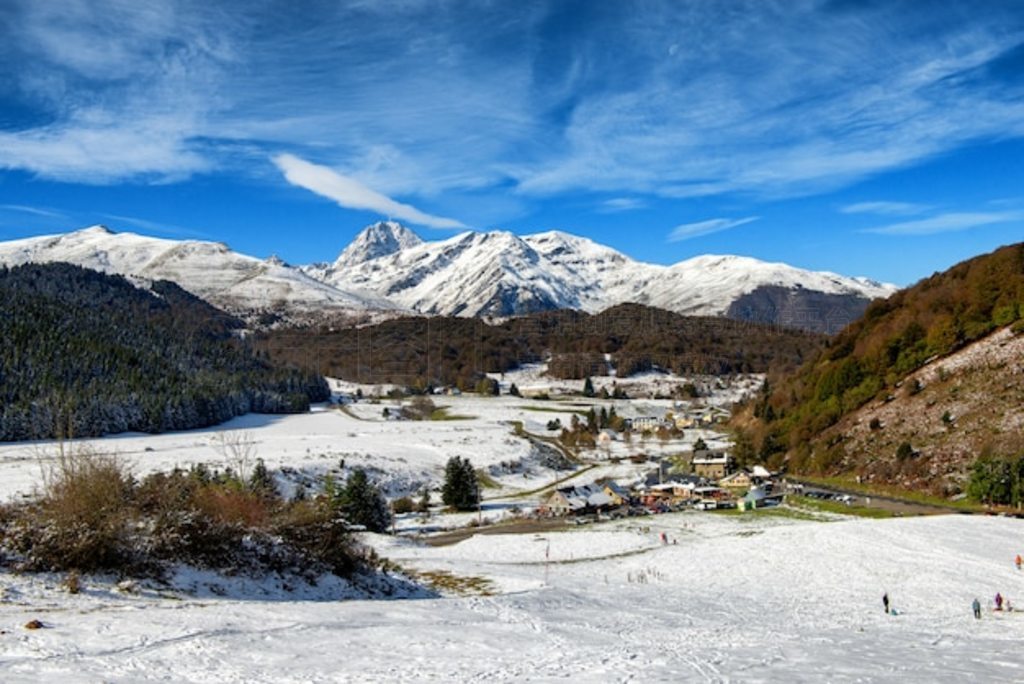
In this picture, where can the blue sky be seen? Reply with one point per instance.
(871, 138)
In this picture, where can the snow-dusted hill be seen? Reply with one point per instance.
(501, 274)
(237, 283)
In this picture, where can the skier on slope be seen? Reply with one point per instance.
(999, 601)
(885, 602)
(976, 607)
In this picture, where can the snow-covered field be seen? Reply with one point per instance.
(762, 597)
(402, 455)
(767, 599)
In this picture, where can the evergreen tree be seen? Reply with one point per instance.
(588, 387)
(461, 489)
(513, 390)
(261, 482)
(363, 503)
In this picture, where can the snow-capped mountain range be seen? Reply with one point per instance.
(501, 274)
(389, 270)
(210, 270)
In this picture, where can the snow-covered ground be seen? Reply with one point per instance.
(720, 391)
(763, 599)
(402, 455)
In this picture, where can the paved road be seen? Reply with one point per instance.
(886, 503)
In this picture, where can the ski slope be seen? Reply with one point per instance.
(765, 600)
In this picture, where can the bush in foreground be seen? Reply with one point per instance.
(92, 515)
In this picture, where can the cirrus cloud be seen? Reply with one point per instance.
(687, 231)
(948, 223)
(349, 193)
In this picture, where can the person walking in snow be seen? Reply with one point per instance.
(999, 601)
(885, 602)
(976, 607)
(1018, 561)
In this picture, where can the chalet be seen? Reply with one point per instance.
(667, 492)
(758, 497)
(740, 480)
(715, 493)
(644, 423)
(577, 499)
(759, 474)
(683, 422)
(561, 503)
(713, 465)
(618, 495)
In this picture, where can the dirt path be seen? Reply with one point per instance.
(525, 526)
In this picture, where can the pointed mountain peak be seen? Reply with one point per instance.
(98, 229)
(377, 240)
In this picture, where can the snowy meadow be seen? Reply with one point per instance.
(776, 595)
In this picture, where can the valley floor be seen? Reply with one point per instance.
(765, 596)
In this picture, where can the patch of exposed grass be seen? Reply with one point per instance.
(485, 480)
(441, 413)
(446, 582)
(550, 409)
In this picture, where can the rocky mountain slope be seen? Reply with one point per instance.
(949, 412)
(913, 391)
(501, 274)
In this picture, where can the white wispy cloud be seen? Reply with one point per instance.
(35, 211)
(351, 194)
(884, 208)
(687, 231)
(948, 223)
(617, 204)
(660, 102)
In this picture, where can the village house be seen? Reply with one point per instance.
(714, 465)
(575, 500)
(741, 480)
(644, 423)
(618, 494)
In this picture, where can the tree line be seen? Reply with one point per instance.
(419, 352)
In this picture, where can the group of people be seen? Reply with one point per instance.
(1001, 603)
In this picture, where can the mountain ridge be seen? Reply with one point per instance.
(912, 391)
(388, 270)
(499, 273)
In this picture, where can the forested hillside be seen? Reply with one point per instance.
(86, 354)
(629, 338)
(876, 359)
